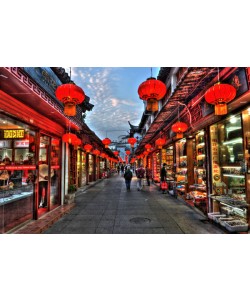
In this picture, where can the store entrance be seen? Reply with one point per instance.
(49, 174)
(43, 174)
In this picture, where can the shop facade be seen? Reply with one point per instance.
(30, 170)
(34, 161)
(210, 163)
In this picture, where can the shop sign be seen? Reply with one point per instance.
(46, 78)
(5, 144)
(21, 144)
(19, 167)
(12, 134)
(55, 167)
(215, 154)
(238, 79)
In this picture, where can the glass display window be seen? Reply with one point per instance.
(83, 168)
(55, 172)
(228, 167)
(17, 172)
(200, 159)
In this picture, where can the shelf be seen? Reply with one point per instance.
(233, 141)
(231, 166)
(233, 175)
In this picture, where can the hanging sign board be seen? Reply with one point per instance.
(12, 134)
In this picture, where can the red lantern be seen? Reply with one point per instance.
(148, 147)
(127, 152)
(152, 90)
(160, 142)
(69, 137)
(77, 142)
(132, 141)
(96, 152)
(106, 142)
(70, 95)
(87, 147)
(55, 142)
(219, 95)
(179, 128)
(116, 153)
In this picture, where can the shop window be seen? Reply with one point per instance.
(17, 172)
(228, 167)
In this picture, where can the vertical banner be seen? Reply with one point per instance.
(216, 174)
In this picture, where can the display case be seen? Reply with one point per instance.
(198, 191)
(229, 172)
(181, 168)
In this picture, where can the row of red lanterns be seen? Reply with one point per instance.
(153, 90)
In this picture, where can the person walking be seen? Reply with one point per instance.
(140, 175)
(148, 175)
(122, 169)
(128, 175)
(163, 175)
(118, 169)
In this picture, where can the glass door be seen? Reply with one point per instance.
(55, 170)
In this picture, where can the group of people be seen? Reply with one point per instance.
(142, 173)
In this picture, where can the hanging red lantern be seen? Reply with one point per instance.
(132, 141)
(148, 147)
(152, 91)
(55, 142)
(70, 95)
(179, 128)
(96, 152)
(77, 142)
(160, 142)
(127, 152)
(116, 153)
(69, 137)
(87, 147)
(219, 95)
(106, 142)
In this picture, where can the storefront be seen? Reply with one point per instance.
(230, 171)
(156, 165)
(30, 172)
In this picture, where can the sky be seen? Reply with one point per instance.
(114, 93)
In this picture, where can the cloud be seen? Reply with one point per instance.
(106, 89)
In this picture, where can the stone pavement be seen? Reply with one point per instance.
(107, 207)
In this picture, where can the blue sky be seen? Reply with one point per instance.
(113, 91)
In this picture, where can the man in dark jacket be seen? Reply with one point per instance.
(163, 175)
(128, 177)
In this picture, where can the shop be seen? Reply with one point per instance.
(156, 165)
(230, 172)
(30, 172)
(198, 190)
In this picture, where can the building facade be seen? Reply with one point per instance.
(37, 168)
(209, 165)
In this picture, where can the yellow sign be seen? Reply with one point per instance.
(13, 133)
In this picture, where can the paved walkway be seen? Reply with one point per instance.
(107, 207)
